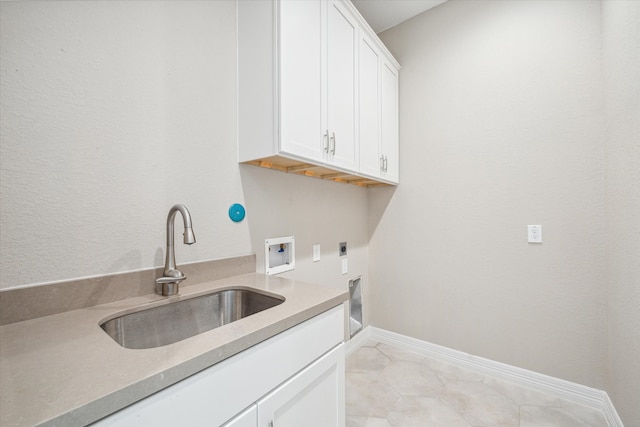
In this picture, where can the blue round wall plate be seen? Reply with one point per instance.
(236, 212)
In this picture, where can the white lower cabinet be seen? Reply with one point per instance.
(295, 378)
(246, 418)
(312, 398)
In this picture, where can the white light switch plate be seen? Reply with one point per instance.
(316, 252)
(345, 266)
(535, 233)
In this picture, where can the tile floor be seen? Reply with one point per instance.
(387, 386)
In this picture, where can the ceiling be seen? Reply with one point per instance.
(384, 14)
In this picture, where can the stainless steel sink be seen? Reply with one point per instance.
(173, 322)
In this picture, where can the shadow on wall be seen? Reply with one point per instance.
(269, 207)
(379, 200)
(312, 210)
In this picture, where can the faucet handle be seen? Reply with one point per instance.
(164, 279)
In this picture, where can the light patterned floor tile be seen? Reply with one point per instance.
(451, 372)
(445, 370)
(413, 379)
(480, 404)
(538, 416)
(366, 359)
(522, 395)
(421, 412)
(367, 422)
(395, 353)
(388, 386)
(368, 395)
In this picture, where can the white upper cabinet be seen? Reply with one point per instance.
(389, 146)
(342, 39)
(302, 116)
(300, 98)
(378, 112)
(371, 161)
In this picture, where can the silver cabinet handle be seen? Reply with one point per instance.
(384, 162)
(270, 424)
(326, 147)
(333, 138)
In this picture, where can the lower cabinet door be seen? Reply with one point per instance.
(314, 397)
(246, 418)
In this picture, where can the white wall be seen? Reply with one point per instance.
(111, 112)
(501, 118)
(621, 28)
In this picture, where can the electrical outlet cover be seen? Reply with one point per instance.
(534, 233)
(342, 248)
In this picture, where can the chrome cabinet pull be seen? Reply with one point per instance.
(326, 146)
(333, 138)
(384, 160)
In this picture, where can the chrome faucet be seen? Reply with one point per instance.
(171, 276)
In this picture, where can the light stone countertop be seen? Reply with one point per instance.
(64, 370)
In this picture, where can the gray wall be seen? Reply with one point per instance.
(503, 125)
(622, 148)
(111, 112)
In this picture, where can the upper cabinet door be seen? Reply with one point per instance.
(378, 112)
(342, 33)
(389, 123)
(300, 47)
(371, 161)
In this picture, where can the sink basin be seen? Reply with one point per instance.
(173, 322)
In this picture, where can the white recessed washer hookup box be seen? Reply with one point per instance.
(279, 254)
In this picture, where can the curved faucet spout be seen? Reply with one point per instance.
(171, 275)
(189, 237)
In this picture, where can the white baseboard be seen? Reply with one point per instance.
(357, 341)
(610, 412)
(577, 393)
